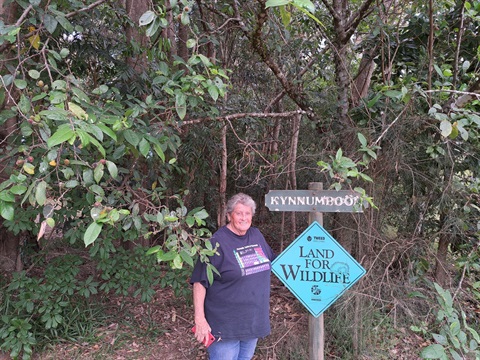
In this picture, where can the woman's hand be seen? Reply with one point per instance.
(202, 331)
(202, 328)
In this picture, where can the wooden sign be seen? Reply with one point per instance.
(314, 201)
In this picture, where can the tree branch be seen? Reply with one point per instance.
(363, 11)
(243, 115)
(261, 49)
(24, 15)
(89, 7)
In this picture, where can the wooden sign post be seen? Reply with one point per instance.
(315, 268)
(316, 330)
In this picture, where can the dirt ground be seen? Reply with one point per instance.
(162, 330)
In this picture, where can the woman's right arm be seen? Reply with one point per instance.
(202, 328)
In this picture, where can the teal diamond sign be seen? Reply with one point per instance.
(317, 269)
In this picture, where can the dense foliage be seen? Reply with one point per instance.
(126, 125)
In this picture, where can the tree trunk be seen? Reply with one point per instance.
(182, 49)
(361, 84)
(168, 33)
(9, 244)
(135, 9)
(441, 259)
(221, 219)
(292, 167)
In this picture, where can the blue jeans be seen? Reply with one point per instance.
(232, 349)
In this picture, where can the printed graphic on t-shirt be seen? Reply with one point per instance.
(252, 259)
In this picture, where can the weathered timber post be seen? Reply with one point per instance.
(316, 330)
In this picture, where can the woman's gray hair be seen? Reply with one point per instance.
(243, 199)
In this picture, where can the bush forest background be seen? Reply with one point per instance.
(125, 126)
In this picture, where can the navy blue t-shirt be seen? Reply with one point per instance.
(237, 304)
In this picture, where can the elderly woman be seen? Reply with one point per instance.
(235, 307)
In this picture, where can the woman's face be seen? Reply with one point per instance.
(240, 219)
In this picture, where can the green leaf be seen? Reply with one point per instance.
(57, 97)
(144, 147)
(65, 23)
(202, 214)
(94, 130)
(205, 60)
(102, 89)
(393, 94)
(306, 4)
(373, 101)
(190, 221)
(160, 218)
(112, 169)
(210, 273)
(80, 94)
(39, 97)
(435, 351)
(7, 196)
(455, 328)
(362, 139)
(339, 154)
(180, 105)
(7, 211)
(153, 250)
(41, 193)
(20, 83)
(366, 177)
(440, 339)
(474, 334)
(191, 43)
(50, 23)
(27, 194)
(159, 151)
(438, 70)
(34, 74)
(473, 345)
(185, 18)
(187, 258)
(446, 128)
(286, 16)
(88, 177)
(177, 262)
(372, 154)
(18, 189)
(95, 142)
(98, 172)
(169, 256)
(456, 355)
(274, 3)
(60, 85)
(153, 28)
(24, 104)
(77, 111)
(213, 91)
(6, 80)
(56, 114)
(132, 137)
(106, 130)
(64, 53)
(92, 233)
(63, 134)
(71, 184)
(147, 18)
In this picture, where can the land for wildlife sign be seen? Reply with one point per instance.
(317, 269)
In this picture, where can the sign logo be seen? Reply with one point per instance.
(317, 269)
